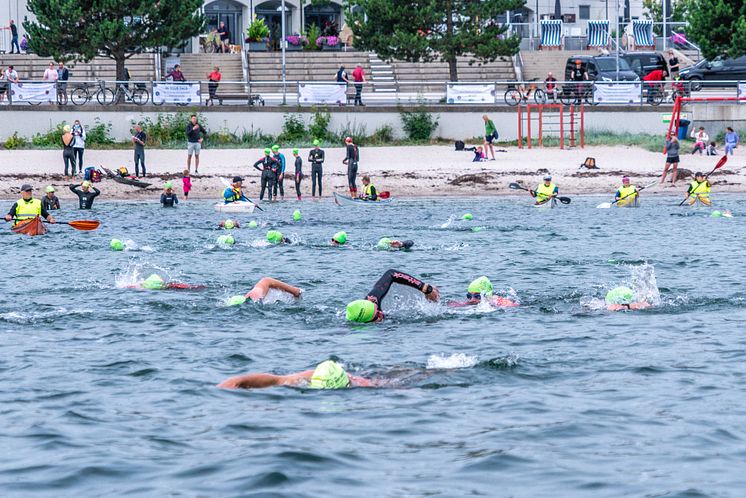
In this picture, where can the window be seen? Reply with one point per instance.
(584, 11)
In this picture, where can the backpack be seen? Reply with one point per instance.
(460, 145)
(88, 173)
(123, 171)
(96, 176)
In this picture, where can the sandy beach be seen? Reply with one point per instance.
(404, 171)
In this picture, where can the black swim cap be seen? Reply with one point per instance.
(407, 244)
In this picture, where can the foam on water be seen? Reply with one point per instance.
(452, 361)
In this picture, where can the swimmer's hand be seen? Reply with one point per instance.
(434, 295)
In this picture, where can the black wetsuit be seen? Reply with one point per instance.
(268, 166)
(49, 204)
(85, 199)
(381, 288)
(353, 156)
(280, 174)
(169, 200)
(298, 175)
(316, 158)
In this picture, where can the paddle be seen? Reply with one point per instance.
(516, 186)
(607, 205)
(85, 225)
(228, 184)
(719, 165)
(384, 195)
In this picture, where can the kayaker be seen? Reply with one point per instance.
(168, 197)
(339, 239)
(276, 237)
(85, 194)
(279, 172)
(234, 193)
(370, 309)
(699, 190)
(50, 201)
(267, 165)
(627, 194)
(482, 288)
(262, 288)
(387, 244)
(351, 160)
(327, 375)
(622, 299)
(27, 207)
(316, 158)
(369, 191)
(298, 172)
(545, 191)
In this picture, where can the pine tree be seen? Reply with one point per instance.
(430, 30)
(718, 27)
(82, 29)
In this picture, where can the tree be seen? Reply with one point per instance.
(677, 12)
(429, 30)
(718, 27)
(82, 29)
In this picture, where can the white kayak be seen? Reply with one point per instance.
(235, 207)
(546, 205)
(343, 200)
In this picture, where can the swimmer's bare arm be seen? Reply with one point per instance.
(261, 380)
(262, 288)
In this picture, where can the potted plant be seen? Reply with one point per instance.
(257, 36)
(328, 43)
(296, 43)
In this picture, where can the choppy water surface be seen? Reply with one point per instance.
(111, 391)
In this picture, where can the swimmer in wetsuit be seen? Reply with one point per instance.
(327, 375)
(386, 244)
(623, 299)
(482, 288)
(262, 288)
(156, 282)
(370, 309)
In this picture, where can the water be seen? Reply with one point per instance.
(111, 391)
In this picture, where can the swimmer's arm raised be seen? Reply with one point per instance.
(262, 287)
(261, 380)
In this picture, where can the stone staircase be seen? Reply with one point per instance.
(198, 66)
(32, 67)
(428, 74)
(381, 75)
(536, 64)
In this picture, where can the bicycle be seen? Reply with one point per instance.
(577, 93)
(81, 95)
(655, 94)
(514, 96)
(138, 95)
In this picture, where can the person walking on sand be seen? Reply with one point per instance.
(79, 137)
(731, 141)
(352, 159)
(672, 159)
(68, 155)
(298, 172)
(316, 158)
(490, 134)
(138, 139)
(195, 135)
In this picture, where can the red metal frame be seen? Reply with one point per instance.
(561, 108)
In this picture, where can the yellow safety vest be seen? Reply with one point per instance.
(700, 189)
(627, 195)
(27, 209)
(368, 190)
(544, 192)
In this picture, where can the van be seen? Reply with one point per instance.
(705, 72)
(643, 63)
(601, 68)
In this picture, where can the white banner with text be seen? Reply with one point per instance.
(610, 93)
(470, 94)
(175, 93)
(34, 93)
(321, 94)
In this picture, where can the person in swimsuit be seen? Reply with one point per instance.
(623, 299)
(262, 288)
(370, 309)
(156, 282)
(387, 244)
(479, 289)
(85, 195)
(351, 160)
(268, 166)
(168, 197)
(327, 375)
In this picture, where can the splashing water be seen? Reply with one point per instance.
(456, 360)
(645, 285)
(448, 223)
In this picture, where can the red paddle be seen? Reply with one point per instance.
(384, 195)
(719, 165)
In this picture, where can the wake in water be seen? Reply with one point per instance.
(642, 281)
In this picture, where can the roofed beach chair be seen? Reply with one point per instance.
(551, 34)
(598, 34)
(642, 35)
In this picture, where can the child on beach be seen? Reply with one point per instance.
(712, 149)
(186, 180)
(479, 155)
(700, 140)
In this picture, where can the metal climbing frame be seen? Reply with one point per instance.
(553, 120)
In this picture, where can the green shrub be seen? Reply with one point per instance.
(383, 135)
(257, 31)
(419, 124)
(169, 128)
(319, 127)
(99, 134)
(293, 128)
(52, 138)
(358, 132)
(15, 142)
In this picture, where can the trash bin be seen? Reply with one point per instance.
(683, 128)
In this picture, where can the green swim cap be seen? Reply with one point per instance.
(226, 239)
(274, 237)
(384, 243)
(316, 142)
(296, 215)
(716, 214)
(229, 225)
(253, 224)
(49, 188)
(477, 229)
(329, 375)
(296, 151)
(467, 216)
(620, 295)
(275, 148)
(116, 245)
(168, 185)
(153, 282)
(361, 310)
(236, 300)
(340, 238)
(481, 285)
(267, 152)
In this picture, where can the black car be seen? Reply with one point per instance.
(601, 68)
(706, 73)
(643, 63)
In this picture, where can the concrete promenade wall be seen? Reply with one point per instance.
(454, 122)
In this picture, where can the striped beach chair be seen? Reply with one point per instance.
(598, 34)
(642, 35)
(551, 34)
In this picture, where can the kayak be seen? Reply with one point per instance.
(344, 200)
(131, 181)
(546, 205)
(699, 202)
(31, 227)
(235, 207)
(633, 204)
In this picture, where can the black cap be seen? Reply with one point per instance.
(407, 244)
(26, 187)
(237, 179)
(698, 173)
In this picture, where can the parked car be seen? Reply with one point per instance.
(705, 73)
(642, 63)
(601, 68)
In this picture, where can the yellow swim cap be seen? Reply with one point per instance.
(329, 375)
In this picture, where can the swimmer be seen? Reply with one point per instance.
(370, 309)
(156, 282)
(327, 375)
(276, 237)
(482, 288)
(262, 288)
(386, 244)
(622, 298)
(339, 239)
(229, 224)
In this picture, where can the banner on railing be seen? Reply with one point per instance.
(175, 93)
(610, 93)
(741, 91)
(35, 93)
(470, 94)
(321, 94)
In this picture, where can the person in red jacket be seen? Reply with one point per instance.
(651, 82)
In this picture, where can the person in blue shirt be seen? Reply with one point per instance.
(234, 193)
(280, 158)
